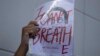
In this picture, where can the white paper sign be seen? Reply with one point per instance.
(55, 36)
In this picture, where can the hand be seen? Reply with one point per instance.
(30, 30)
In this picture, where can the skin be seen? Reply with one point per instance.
(32, 28)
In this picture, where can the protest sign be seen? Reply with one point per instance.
(55, 36)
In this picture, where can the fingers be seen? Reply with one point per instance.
(31, 29)
(33, 23)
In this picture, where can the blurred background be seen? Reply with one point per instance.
(14, 14)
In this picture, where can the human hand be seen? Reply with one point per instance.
(29, 31)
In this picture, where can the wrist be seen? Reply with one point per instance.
(23, 44)
(22, 50)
